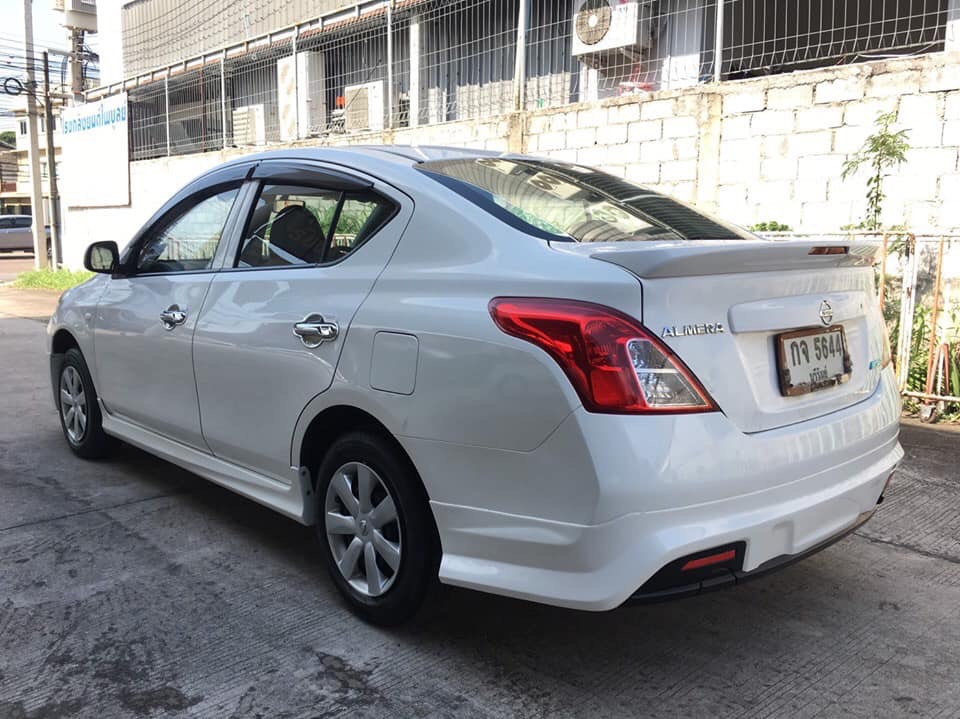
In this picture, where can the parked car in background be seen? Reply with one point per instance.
(16, 233)
(518, 375)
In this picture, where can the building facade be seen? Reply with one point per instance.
(760, 135)
(164, 32)
(15, 194)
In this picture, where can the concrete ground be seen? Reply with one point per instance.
(131, 588)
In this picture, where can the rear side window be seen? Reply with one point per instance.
(293, 225)
(23, 222)
(562, 202)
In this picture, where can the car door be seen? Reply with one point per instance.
(21, 233)
(148, 313)
(8, 237)
(272, 328)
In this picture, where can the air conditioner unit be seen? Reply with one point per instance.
(602, 26)
(80, 14)
(301, 95)
(248, 127)
(364, 106)
(311, 75)
(88, 6)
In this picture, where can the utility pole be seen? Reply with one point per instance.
(52, 166)
(36, 189)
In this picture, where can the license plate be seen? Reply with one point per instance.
(811, 360)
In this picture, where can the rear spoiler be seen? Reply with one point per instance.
(693, 258)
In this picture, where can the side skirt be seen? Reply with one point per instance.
(293, 499)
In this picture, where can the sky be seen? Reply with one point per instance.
(47, 34)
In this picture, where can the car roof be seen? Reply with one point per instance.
(363, 155)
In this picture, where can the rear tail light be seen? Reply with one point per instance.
(615, 365)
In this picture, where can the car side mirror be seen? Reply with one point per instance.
(102, 257)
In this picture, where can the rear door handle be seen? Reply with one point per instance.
(173, 316)
(313, 330)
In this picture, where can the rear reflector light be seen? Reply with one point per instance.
(614, 363)
(710, 560)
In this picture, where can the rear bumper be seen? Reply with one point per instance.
(617, 509)
(727, 577)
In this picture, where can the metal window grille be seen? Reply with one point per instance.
(195, 119)
(420, 62)
(770, 37)
(344, 73)
(147, 113)
(253, 95)
(467, 59)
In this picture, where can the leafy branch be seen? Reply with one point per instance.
(881, 151)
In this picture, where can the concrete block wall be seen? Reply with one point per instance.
(773, 148)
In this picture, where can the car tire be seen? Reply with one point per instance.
(392, 527)
(82, 428)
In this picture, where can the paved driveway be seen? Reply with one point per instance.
(132, 588)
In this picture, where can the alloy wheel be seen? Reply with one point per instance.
(73, 404)
(363, 529)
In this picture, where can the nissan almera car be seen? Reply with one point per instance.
(507, 373)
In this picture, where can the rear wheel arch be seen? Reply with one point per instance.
(336, 421)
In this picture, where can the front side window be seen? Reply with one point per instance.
(293, 225)
(189, 241)
(23, 222)
(562, 202)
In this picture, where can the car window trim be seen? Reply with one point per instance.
(305, 174)
(315, 171)
(221, 177)
(259, 185)
(128, 267)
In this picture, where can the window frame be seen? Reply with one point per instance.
(175, 214)
(233, 176)
(307, 178)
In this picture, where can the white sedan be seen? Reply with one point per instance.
(506, 373)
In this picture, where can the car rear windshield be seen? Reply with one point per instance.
(562, 202)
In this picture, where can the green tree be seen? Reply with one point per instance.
(770, 226)
(9, 137)
(881, 151)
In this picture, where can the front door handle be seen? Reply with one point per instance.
(173, 316)
(313, 331)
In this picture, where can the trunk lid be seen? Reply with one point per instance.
(720, 305)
